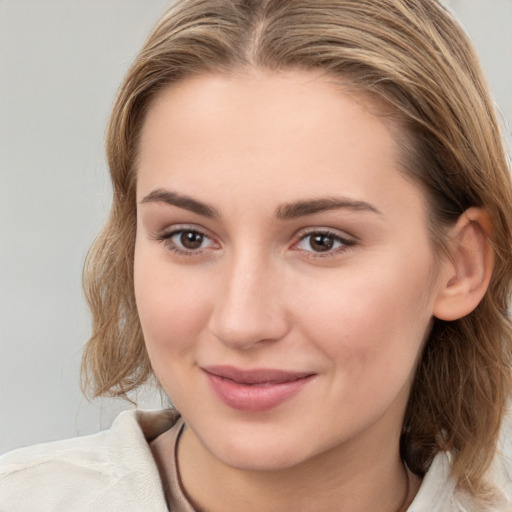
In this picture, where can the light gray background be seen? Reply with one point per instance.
(61, 62)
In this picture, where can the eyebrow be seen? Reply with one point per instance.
(284, 212)
(160, 195)
(310, 207)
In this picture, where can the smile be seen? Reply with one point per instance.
(254, 390)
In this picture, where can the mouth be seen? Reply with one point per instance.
(255, 390)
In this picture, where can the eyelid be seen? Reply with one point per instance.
(347, 241)
(165, 236)
(173, 228)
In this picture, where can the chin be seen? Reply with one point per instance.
(260, 461)
(259, 454)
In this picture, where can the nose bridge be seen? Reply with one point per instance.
(250, 306)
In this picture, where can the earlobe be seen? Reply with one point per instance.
(465, 276)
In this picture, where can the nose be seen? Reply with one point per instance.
(250, 307)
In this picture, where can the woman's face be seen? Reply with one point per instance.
(283, 273)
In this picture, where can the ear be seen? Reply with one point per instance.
(465, 276)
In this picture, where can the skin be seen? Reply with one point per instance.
(256, 293)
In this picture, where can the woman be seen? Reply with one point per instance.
(310, 249)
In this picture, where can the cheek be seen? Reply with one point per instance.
(172, 308)
(371, 324)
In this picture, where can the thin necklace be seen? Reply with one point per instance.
(402, 508)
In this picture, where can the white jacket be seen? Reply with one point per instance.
(114, 470)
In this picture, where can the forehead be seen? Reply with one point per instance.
(300, 100)
(295, 132)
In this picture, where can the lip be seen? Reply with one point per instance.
(255, 390)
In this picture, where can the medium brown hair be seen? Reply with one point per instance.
(417, 62)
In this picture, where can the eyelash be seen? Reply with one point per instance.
(345, 243)
(166, 239)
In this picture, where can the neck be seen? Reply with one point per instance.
(359, 476)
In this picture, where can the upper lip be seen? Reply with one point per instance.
(255, 375)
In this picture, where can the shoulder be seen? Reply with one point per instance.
(113, 468)
(499, 475)
(439, 492)
(52, 472)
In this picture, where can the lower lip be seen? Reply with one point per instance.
(255, 397)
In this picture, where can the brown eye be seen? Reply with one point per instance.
(318, 242)
(191, 240)
(187, 241)
(321, 242)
